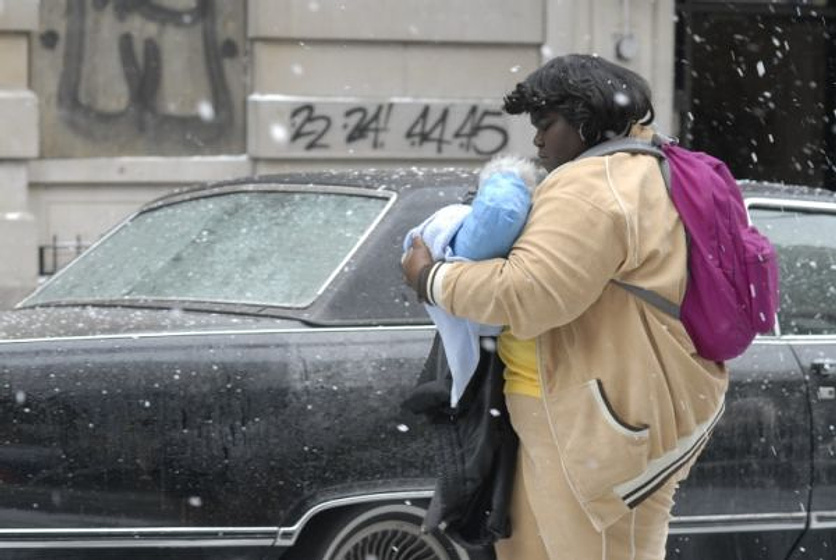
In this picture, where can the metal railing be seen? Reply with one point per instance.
(54, 256)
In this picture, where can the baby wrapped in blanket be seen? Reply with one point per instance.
(485, 229)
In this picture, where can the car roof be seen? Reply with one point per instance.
(387, 180)
(767, 189)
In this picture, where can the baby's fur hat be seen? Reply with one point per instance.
(527, 170)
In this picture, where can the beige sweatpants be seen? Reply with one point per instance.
(546, 520)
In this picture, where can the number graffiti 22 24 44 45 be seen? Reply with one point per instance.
(445, 129)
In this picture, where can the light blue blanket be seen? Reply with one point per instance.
(486, 229)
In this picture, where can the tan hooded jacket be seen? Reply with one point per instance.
(629, 400)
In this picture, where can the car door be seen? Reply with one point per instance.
(177, 438)
(764, 488)
(804, 234)
(747, 495)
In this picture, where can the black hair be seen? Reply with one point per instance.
(598, 98)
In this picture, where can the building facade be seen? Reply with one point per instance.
(107, 104)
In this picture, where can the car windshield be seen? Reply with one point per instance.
(276, 248)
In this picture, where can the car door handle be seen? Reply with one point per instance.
(824, 367)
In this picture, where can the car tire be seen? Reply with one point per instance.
(389, 531)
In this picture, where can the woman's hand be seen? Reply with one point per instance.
(417, 259)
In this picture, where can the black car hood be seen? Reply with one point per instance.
(88, 320)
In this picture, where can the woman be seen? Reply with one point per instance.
(606, 393)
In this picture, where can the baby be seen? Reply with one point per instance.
(485, 229)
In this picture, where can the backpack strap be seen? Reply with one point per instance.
(635, 146)
(661, 303)
(624, 144)
(652, 148)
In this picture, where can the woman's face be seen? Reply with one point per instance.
(556, 140)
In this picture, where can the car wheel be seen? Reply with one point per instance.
(383, 531)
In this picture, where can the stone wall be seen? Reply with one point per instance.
(125, 79)
(18, 145)
(127, 101)
(387, 83)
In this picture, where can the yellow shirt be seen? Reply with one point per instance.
(520, 359)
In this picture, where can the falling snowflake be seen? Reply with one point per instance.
(206, 111)
(621, 99)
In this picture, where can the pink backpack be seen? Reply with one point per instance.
(732, 291)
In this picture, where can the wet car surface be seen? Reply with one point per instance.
(222, 376)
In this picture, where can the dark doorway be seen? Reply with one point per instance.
(756, 86)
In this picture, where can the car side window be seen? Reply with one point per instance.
(805, 239)
(376, 293)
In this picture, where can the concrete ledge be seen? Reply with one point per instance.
(19, 115)
(138, 170)
(19, 15)
(271, 166)
(14, 61)
(475, 21)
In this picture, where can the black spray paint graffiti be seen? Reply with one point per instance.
(142, 77)
(434, 125)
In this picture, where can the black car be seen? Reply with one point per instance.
(222, 375)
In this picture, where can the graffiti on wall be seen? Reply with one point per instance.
(143, 77)
(443, 129)
(458, 129)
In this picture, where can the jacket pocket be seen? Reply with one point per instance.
(599, 450)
